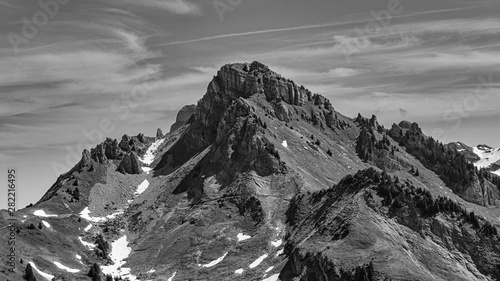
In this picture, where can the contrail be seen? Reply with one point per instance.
(230, 35)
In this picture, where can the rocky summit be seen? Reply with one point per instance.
(265, 180)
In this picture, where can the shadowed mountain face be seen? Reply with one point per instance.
(264, 180)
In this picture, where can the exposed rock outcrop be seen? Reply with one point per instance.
(136, 143)
(159, 134)
(183, 116)
(130, 164)
(99, 154)
(86, 157)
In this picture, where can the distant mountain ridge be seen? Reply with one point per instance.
(265, 180)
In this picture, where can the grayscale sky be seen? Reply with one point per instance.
(127, 66)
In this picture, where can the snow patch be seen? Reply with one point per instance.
(146, 170)
(41, 213)
(284, 143)
(277, 243)
(239, 271)
(142, 187)
(152, 270)
(212, 263)
(119, 252)
(47, 225)
(270, 268)
(87, 228)
(279, 252)
(272, 277)
(243, 237)
(258, 261)
(488, 156)
(173, 275)
(43, 274)
(87, 244)
(149, 155)
(70, 270)
(78, 256)
(85, 214)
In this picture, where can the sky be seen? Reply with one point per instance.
(73, 72)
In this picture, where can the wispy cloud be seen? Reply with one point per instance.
(178, 7)
(6, 3)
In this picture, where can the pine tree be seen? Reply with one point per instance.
(95, 272)
(474, 220)
(76, 194)
(28, 273)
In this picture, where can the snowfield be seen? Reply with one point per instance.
(86, 244)
(43, 274)
(239, 271)
(142, 187)
(47, 225)
(173, 275)
(119, 252)
(488, 157)
(88, 227)
(284, 143)
(149, 156)
(41, 213)
(70, 270)
(243, 237)
(212, 263)
(272, 278)
(258, 261)
(277, 243)
(279, 252)
(85, 214)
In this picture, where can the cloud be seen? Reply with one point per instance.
(442, 60)
(343, 72)
(177, 7)
(6, 3)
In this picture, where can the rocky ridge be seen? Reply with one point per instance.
(266, 180)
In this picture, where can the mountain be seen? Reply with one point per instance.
(483, 156)
(264, 180)
(488, 158)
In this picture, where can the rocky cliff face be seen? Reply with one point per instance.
(264, 179)
(183, 117)
(130, 164)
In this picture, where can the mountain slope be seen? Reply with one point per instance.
(264, 180)
(488, 158)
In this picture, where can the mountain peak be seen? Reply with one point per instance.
(262, 173)
(248, 79)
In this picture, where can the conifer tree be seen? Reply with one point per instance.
(28, 273)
